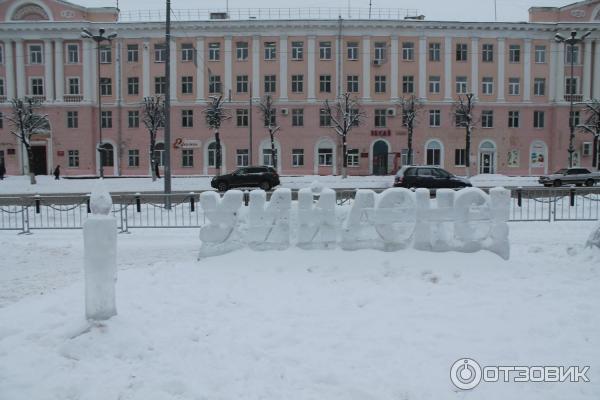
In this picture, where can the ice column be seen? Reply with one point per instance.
(220, 234)
(269, 223)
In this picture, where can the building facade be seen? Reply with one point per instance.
(518, 74)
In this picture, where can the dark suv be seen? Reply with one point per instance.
(428, 177)
(262, 177)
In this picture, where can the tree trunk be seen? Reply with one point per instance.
(468, 152)
(273, 153)
(217, 152)
(152, 159)
(410, 145)
(344, 157)
(31, 172)
(595, 151)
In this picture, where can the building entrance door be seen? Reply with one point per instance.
(40, 163)
(380, 158)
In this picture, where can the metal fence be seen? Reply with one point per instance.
(183, 210)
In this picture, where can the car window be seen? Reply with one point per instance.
(561, 171)
(425, 172)
(241, 171)
(440, 173)
(410, 172)
(584, 171)
(254, 170)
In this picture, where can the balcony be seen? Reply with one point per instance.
(574, 97)
(73, 98)
(38, 97)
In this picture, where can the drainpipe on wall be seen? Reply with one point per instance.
(120, 145)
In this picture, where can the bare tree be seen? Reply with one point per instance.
(215, 115)
(153, 109)
(25, 123)
(411, 108)
(592, 125)
(269, 114)
(463, 112)
(344, 115)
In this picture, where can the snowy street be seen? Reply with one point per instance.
(297, 324)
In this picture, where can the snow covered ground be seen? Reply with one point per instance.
(297, 324)
(47, 184)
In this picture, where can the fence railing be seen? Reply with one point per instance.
(183, 210)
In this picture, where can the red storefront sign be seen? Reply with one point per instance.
(60, 153)
(381, 132)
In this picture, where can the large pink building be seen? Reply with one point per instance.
(518, 74)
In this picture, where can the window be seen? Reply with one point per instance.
(160, 85)
(106, 119)
(187, 118)
(487, 85)
(513, 119)
(214, 84)
(212, 155)
(514, 53)
(408, 51)
(325, 50)
(435, 118)
(325, 157)
(433, 153)
(242, 157)
(461, 85)
(242, 83)
(37, 86)
(214, 51)
(574, 118)
(270, 83)
(73, 158)
(268, 157)
(408, 84)
(297, 117)
(571, 86)
(353, 112)
(242, 116)
(105, 54)
(380, 81)
(187, 158)
(352, 51)
(297, 157)
(73, 86)
(297, 83)
(572, 52)
(461, 51)
(106, 86)
(133, 86)
(133, 119)
(132, 53)
(434, 84)
(2, 87)
(72, 54)
(1, 127)
(159, 153)
(539, 87)
(35, 54)
(538, 119)
(434, 52)
(514, 86)
(540, 54)
(380, 51)
(187, 84)
(2, 62)
(72, 119)
(273, 121)
(187, 52)
(380, 118)
(352, 83)
(160, 52)
(133, 158)
(487, 119)
(487, 52)
(460, 157)
(270, 51)
(297, 51)
(241, 51)
(353, 158)
(325, 83)
(324, 118)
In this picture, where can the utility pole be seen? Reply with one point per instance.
(167, 160)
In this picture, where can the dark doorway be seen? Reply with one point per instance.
(39, 165)
(380, 158)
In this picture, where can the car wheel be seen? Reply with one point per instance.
(222, 186)
(557, 183)
(265, 185)
(589, 182)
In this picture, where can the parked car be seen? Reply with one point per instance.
(428, 177)
(262, 177)
(570, 176)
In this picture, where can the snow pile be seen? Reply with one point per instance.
(594, 239)
(492, 180)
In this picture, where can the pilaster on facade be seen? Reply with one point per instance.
(394, 68)
(339, 63)
(95, 74)
(200, 70)
(146, 68)
(560, 74)
(173, 70)
(501, 68)
(283, 61)
(596, 78)
(48, 75)
(422, 68)
(311, 80)
(20, 68)
(10, 72)
(118, 75)
(59, 73)
(587, 71)
(552, 72)
(228, 67)
(527, 71)
(475, 67)
(88, 68)
(255, 83)
(448, 68)
(366, 61)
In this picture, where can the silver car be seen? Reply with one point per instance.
(571, 176)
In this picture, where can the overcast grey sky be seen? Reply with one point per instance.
(446, 10)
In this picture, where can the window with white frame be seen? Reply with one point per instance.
(408, 51)
(270, 51)
(461, 85)
(325, 157)
(35, 54)
(106, 119)
(214, 84)
(435, 118)
(324, 118)
(487, 119)
(73, 158)
(242, 117)
(159, 153)
(214, 51)
(2, 91)
(352, 51)
(160, 52)
(487, 85)
(514, 86)
(187, 84)
(434, 84)
(297, 157)
(574, 118)
(273, 119)
(539, 86)
(241, 83)
(380, 48)
(37, 86)
(325, 83)
(72, 53)
(353, 158)
(380, 83)
(187, 158)
(241, 51)
(132, 53)
(73, 86)
(1, 127)
(297, 117)
(574, 54)
(297, 51)
(461, 51)
(1, 54)
(539, 119)
(540, 54)
(105, 55)
(433, 154)
(460, 157)
(325, 50)
(408, 84)
(514, 53)
(242, 157)
(297, 83)
(133, 158)
(133, 86)
(435, 52)
(513, 119)
(571, 86)
(133, 119)
(268, 157)
(72, 119)
(105, 86)
(380, 118)
(352, 83)
(270, 83)
(187, 118)
(187, 52)
(487, 52)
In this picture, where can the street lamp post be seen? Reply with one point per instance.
(571, 41)
(99, 38)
